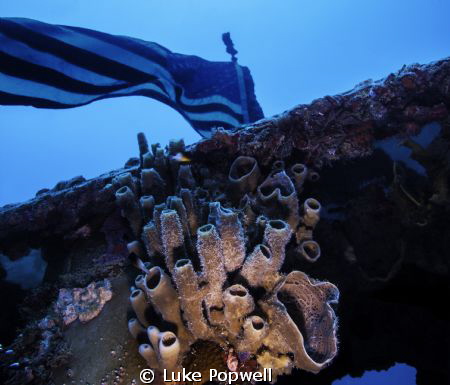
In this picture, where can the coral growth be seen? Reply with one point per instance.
(83, 303)
(214, 263)
(39, 348)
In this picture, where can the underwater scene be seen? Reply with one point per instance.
(231, 193)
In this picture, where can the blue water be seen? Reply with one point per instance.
(296, 50)
(397, 152)
(27, 271)
(400, 374)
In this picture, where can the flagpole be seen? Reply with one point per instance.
(240, 76)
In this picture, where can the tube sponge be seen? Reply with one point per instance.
(176, 204)
(276, 235)
(311, 299)
(135, 328)
(163, 296)
(136, 248)
(142, 143)
(278, 165)
(126, 200)
(172, 237)
(278, 198)
(139, 305)
(125, 197)
(139, 282)
(285, 337)
(248, 214)
(147, 202)
(191, 211)
(299, 173)
(163, 352)
(255, 329)
(309, 250)
(209, 247)
(311, 212)
(313, 176)
(243, 176)
(191, 297)
(152, 183)
(234, 299)
(185, 177)
(153, 334)
(147, 160)
(169, 350)
(161, 163)
(292, 320)
(232, 236)
(151, 239)
(257, 266)
(238, 303)
(149, 355)
(125, 179)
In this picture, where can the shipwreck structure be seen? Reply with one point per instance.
(232, 253)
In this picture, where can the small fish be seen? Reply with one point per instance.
(14, 365)
(9, 351)
(182, 158)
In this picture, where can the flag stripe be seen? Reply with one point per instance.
(63, 49)
(139, 48)
(30, 91)
(205, 125)
(51, 66)
(10, 99)
(25, 70)
(213, 102)
(24, 52)
(157, 54)
(73, 54)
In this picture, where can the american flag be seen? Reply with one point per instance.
(56, 66)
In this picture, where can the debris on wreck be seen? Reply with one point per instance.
(422, 197)
(211, 253)
(83, 303)
(39, 348)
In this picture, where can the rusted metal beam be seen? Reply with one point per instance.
(334, 127)
(343, 126)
